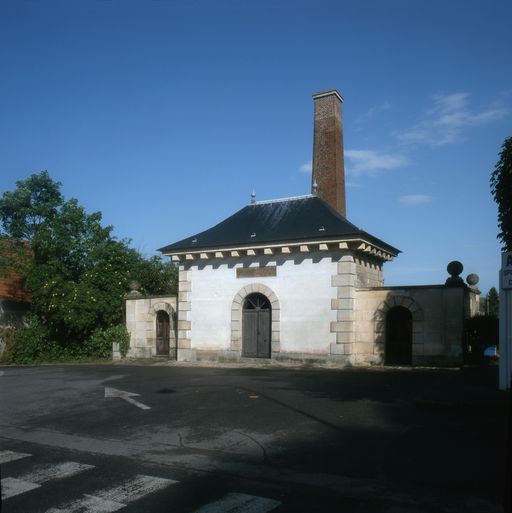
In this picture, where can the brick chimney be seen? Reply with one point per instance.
(328, 166)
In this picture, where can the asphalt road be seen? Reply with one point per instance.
(211, 440)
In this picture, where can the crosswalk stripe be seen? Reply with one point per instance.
(7, 456)
(116, 497)
(88, 504)
(16, 486)
(12, 487)
(238, 503)
(59, 471)
(135, 488)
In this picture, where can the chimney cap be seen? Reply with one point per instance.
(328, 92)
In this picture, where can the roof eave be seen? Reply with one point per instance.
(363, 244)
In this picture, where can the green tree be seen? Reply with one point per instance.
(493, 302)
(501, 188)
(78, 272)
(35, 201)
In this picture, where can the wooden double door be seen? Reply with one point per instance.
(256, 326)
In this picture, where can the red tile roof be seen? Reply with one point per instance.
(12, 285)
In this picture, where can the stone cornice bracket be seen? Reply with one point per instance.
(285, 248)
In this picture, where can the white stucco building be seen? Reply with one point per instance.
(294, 279)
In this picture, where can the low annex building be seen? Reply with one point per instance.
(293, 279)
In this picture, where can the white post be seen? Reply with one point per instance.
(116, 354)
(506, 321)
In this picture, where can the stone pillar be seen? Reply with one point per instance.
(328, 166)
(344, 326)
(184, 350)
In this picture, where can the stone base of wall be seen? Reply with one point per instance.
(366, 359)
(186, 355)
(437, 361)
(140, 352)
(338, 360)
(197, 355)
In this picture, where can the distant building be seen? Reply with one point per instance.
(294, 279)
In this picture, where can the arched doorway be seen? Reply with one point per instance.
(162, 333)
(398, 336)
(256, 323)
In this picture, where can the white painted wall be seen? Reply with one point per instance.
(302, 286)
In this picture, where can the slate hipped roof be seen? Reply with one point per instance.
(304, 218)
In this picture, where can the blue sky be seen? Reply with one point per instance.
(165, 115)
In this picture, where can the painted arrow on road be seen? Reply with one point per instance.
(127, 396)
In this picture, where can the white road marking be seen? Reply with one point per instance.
(114, 377)
(12, 486)
(89, 504)
(16, 486)
(115, 497)
(7, 456)
(127, 396)
(135, 488)
(240, 503)
(59, 471)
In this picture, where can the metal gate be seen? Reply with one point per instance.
(256, 324)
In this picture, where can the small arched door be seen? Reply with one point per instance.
(398, 336)
(162, 333)
(256, 323)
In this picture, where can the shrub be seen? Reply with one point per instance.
(31, 342)
(100, 344)
(6, 344)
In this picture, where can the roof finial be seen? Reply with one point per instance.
(253, 197)
(314, 189)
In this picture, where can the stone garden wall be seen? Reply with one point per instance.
(141, 314)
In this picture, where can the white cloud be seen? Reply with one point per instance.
(370, 162)
(447, 120)
(372, 112)
(306, 167)
(415, 199)
(358, 162)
